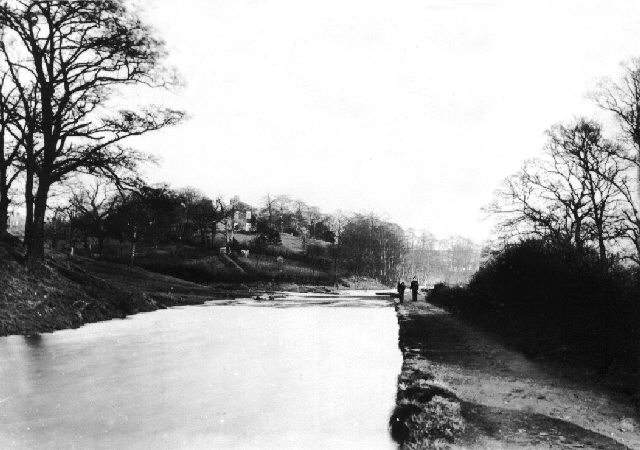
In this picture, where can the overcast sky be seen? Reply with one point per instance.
(415, 110)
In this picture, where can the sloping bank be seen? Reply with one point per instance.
(68, 293)
(460, 389)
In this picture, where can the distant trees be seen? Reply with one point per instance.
(153, 214)
(100, 215)
(65, 60)
(149, 213)
(372, 247)
(284, 218)
(268, 234)
(200, 214)
(92, 207)
(269, 209)
(451, 260)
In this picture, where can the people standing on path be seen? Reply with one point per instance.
(401, 288)
(414, 289)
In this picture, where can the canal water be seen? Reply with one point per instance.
(295, 372)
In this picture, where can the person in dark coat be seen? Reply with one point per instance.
(414, 289)
(401, 288)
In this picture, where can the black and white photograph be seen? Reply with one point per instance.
(306, 224)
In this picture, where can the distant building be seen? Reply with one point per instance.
(244, 220)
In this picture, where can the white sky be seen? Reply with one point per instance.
(415, 110)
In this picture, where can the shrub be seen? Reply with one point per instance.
(553, 298)
(439, 419)
(269, 232)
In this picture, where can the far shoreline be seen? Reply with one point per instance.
(69, 292)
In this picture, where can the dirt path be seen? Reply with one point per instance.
(230, 263)
(506, 400)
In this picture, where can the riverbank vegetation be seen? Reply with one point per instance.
(427, 412)
(554, 301)
(67, 292)
(564, 281)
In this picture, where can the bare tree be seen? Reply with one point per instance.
(269, 208)
(282, 204)
(631, 215)
(93, 204)
(300, 220)
(226, 215)
(543, 199)
(204, 215)
(24, 129)
(313, 216)
(9, 148)
(77, 53)
(597, 173)
(573, 195)
(622, 98)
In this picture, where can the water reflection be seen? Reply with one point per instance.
(299, 371)
(33, 340)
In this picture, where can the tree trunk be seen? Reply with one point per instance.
(638, 180)
(4, 215)
(35, 245)
(577, 236)
(4, 201)
(601, 245)
(28, 198)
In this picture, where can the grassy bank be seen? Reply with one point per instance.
(207, 266)
(67, 293)
(427, 413)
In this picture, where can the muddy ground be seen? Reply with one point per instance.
(479, 394)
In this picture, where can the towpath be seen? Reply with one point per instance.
(507, 400)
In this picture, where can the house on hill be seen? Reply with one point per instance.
(244, 218)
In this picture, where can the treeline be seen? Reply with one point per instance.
(98, 217)
(159, 215)
(384, 250)
(565, 280)
(61, 63)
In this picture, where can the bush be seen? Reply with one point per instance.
(269, 232)
(440, 419)
(235, 246)
(553, 299)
